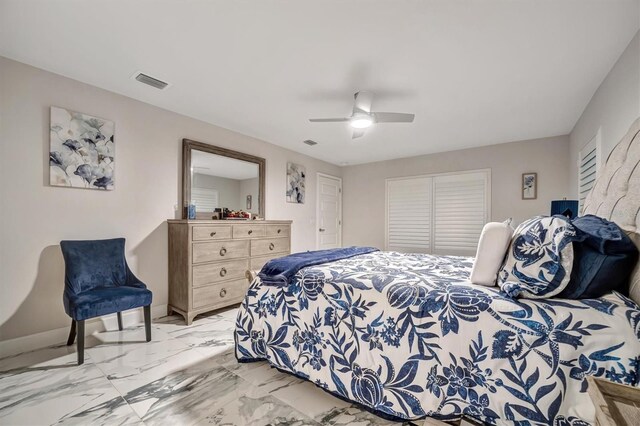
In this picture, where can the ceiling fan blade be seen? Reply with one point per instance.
(357, 133)
(362, 102)
(328, 120)
(393, 117)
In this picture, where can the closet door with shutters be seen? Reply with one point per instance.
(409, 220)
(460, 212)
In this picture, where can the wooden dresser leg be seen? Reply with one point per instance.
(189, 318)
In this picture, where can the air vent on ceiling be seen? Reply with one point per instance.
(310, 142)
(153, 82)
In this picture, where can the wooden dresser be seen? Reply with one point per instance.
(208, 260)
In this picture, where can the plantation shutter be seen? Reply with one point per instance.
(460, 212)
(205, 199)
(409, 223)
(588, 163)
(439, 214)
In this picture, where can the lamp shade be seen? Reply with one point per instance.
(565, 207)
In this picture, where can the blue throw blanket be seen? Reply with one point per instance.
(279, 271)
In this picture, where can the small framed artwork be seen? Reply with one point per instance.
(529, 186)
(296, 176)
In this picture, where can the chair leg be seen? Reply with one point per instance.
(120, 321)
(80, 342)
(72, 333)
(147, 322)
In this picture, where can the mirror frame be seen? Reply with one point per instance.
(188, 145)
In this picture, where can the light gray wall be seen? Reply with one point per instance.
(228, 189)
(364, 185)
(34, 217)
(250, 187)
(614, 107)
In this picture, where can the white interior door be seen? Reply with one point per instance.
(329, 212)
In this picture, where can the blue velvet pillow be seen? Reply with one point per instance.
(604, 258)
(539, 258)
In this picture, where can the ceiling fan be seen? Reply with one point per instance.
(362, 116)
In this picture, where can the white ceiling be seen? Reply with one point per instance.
(205, 163)
(474, 72)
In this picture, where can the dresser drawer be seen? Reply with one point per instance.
(211, 273)
(247, 230)
(219, 250)
(259, 261)
(216, 232)
(270, 245)
(222, 294)
(277, 230)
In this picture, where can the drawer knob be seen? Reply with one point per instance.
(271, 246)
(250, 231)
(279, 231)
(212, 234)
(223, 251)
(223, 272)
(223, 292)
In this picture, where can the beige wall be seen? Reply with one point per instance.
(613, 108)
(364, 185)
(34, 217)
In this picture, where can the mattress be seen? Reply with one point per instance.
(408, 336)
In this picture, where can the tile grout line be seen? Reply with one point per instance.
(170, 337)
(114, 386)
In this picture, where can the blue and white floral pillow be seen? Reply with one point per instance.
(539, 260)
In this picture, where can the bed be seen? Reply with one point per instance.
(408, 336)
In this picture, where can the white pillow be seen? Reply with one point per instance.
(492, 248)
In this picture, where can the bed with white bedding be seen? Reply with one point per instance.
(408, 336)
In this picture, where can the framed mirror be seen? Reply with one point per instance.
(214, 179)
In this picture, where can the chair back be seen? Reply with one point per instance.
(91, 264)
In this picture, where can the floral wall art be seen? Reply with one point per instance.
(82, 150)
(529, 186)
(296, 175)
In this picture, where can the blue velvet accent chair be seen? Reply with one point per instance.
(98, 282)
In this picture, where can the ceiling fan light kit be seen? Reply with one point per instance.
(362, 117)
(361, 121)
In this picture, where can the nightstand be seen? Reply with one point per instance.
(616, 405)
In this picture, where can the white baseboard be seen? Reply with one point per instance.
(59, 335)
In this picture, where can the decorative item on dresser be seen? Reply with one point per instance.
(209, 259)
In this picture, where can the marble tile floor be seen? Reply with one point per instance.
(186, 375)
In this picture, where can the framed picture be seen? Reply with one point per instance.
(82, 150)
(529, 186)
(296, 176)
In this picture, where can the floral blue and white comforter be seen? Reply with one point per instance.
(408, 336)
